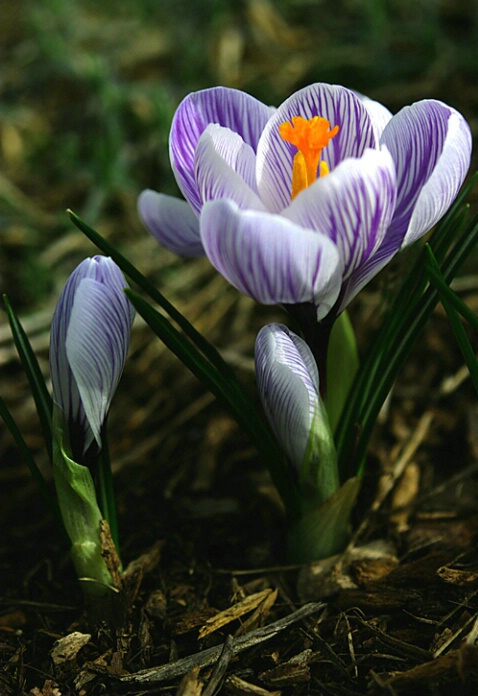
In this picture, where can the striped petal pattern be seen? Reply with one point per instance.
(226, 107)
(171, 221)
(391, 178)
(352, 206)
(270, 258)
(288, 384)
(88, 345)
(338, 105)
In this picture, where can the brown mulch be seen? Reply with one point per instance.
(209, 603)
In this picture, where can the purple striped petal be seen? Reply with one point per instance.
(225, 168)
(353, 206)
(379, 114)
(270, 258)
(89, 340)
(230, 108)
(172, 222)
(275, 156)
(288, 384)
(96, 346)
(431, 144)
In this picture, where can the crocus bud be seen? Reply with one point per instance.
(288, 383)
(89, 341)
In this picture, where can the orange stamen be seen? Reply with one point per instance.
(309, 136)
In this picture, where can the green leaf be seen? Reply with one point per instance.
(325, 531)
(400, 329)
(42, 398)
(445, 291)
(452, 305)
(105, 488)
(229, 391)
(28, 459)
(201, 343)
(342, 366)
(80, 513)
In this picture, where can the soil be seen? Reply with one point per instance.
(209, 604)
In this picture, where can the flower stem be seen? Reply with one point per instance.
(106, 496)
(316, 334)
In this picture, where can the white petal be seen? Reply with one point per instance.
(225, 168)
(275, 157)
(172, 221)
(96, 345)
(270, 258)
(289, 393)
(440, 190)
(353, 206)
(379, 114)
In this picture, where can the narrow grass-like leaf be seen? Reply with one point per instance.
(445, 291)
(201, 343)
(28, 459)
(462, 340)
(42, 398)
(400, 329)
(414, 321)
(105, 489)
(25, 453)
(451, 302)
(229, 391)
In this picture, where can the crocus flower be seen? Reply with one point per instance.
(288, 384)
(306, 202)
(88, 345)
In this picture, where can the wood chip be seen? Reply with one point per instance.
(239, 687)
(190, 684)
(157, 675)
(66, 649)
(294, 671)
(235, 612)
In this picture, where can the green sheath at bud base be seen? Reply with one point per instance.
(325, 531)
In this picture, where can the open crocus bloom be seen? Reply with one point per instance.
(89, 341)
(306, 202)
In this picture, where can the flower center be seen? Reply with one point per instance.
(309, 136)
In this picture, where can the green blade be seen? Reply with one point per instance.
(202, 344)
(42, 398)
(229, 391)
(453, 305)
(445, 291)
(28, 459)
(400, 329)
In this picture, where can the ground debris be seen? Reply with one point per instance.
(345, 571)
(157, 675)
(191, 684)
(238, 687)
(67, 648)
(461, 663)
(294, 671)
(49, 688)
(238, 610)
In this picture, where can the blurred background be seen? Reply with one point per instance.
(87, 94)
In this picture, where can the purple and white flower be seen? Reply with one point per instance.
(89, 341)
(380, 183)
(288, 385)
